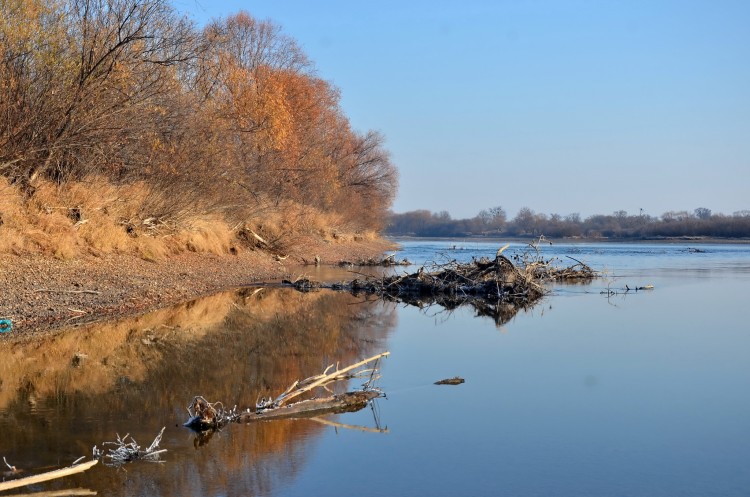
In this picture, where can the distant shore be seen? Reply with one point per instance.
(529, 239)
(41, 294)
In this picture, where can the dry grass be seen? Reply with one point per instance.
(288, 225)
(98, 217)
(94, 215)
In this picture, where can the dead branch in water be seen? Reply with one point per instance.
(344, 402)
(298, 388)
(205, 415)
(547, 269)
(71, 492)
(211, 413)
(130, 451)
(50, 475)
(490, 285)
(498, 280)
(495, 288)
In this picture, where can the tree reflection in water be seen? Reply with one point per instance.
(63, 393)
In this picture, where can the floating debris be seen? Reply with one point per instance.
(495, 288)
(209, 414)
(125, 451)
(456, 380)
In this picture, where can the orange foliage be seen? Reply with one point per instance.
(229, 121)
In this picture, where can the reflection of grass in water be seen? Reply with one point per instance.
(231, 347)
(92, 359)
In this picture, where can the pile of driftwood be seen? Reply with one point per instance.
(495, 288)
(543, 269)
(485, 278)
(205, 415)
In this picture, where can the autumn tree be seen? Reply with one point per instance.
(93, 80)
(287, 138)
(230, 119)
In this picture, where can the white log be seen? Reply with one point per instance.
(50, 475)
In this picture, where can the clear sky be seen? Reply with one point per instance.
(561, 106)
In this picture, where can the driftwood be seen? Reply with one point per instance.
(49, 475)
(71, 492)
(300, 387)
(345, 402)
(205, 415)
(387, 261)
(495, 288)
(547, 269)
(125, 451)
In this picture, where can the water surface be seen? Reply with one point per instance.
(588, 393)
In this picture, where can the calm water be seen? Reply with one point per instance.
(638, 394)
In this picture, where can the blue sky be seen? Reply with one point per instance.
(560, 106)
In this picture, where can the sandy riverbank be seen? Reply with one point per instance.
(41, 294)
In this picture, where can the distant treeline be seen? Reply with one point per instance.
(229, 119)
(620, 224)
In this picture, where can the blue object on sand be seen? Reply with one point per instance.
(5, 325)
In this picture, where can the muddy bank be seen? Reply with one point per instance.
(41, 294)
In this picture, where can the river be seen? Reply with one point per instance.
(594, 391)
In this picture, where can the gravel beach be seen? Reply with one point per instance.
(42, 294)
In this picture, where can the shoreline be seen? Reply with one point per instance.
(521, 239)
(43, 294)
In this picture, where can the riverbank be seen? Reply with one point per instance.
(43, 293)
(528, 239)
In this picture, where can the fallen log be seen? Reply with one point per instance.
(49, 475)
(205, 415)
(71, 492)
(345, 402)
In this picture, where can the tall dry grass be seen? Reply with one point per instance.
(98, 217)
(95, 216)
